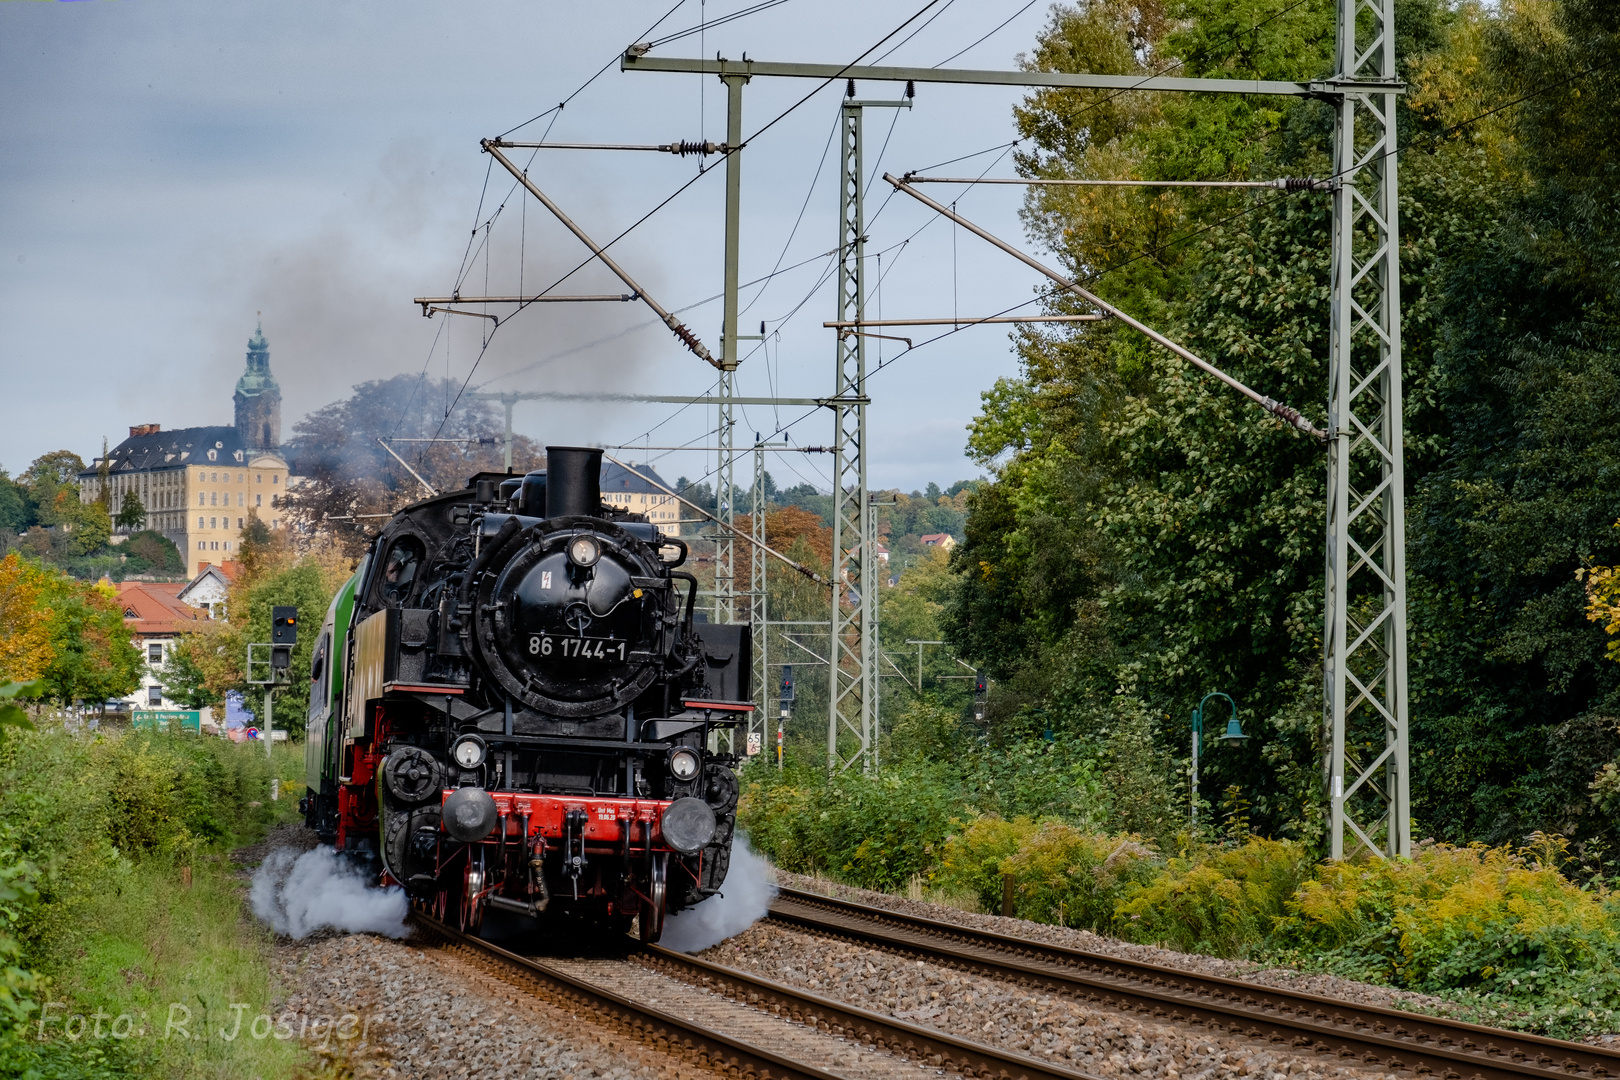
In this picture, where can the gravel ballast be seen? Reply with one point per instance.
(1046, 1026)
(1334, 986)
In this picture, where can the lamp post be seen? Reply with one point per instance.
(1234, 734)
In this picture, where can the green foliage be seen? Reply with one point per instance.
(131, 512)
(972, 858)
(12, 714)
(1075, 878)
(874, 831)
(150, 552)
(17, 509)
(93, 833)
(93, 657)
(1222, 901)
(1488, 925)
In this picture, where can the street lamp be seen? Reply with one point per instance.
(1234, 735)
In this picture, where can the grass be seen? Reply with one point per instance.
(132, 919)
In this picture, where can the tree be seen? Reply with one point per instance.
(348, 473)
(152, 552)
(25, 636)
(93, 657)
(131, 514)
(1148, 536)
(47, 477)
(17, 509)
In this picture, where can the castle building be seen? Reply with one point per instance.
(200, 485)
(639, 490)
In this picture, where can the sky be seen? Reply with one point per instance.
(172, 172)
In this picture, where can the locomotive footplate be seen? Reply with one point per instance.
(605, 818)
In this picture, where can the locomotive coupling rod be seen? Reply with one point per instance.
(675, 325)
(1271, 405)
(800, 567)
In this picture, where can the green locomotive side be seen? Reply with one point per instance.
(328, 670)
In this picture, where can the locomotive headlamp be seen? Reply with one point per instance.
(584, 551)
(468, 751)
(684, 763)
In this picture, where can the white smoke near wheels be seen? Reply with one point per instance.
(299, 893)
(744, 899)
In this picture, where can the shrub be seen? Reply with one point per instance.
(971, 860)
(1498, 924)
(873, 831)
(1223, 901)
(1074, 878)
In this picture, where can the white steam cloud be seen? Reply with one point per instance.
(745, 899)
(299, 893)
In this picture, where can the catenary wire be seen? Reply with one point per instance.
(988, 36)
(677, 192)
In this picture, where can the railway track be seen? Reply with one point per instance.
(788, 1034)
(1360, 1034)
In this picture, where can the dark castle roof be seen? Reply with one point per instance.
(177, 449)
(616, 479)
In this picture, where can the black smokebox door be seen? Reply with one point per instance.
(573, 481)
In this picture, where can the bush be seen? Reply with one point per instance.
(1224, 901)
(972, 860)
(1498, 925)
(874, 831)
(1073, 878)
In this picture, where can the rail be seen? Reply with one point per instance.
(717, 1050)
(1373, 1035)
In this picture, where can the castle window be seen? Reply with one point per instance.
(202, 545)
(213, 498)
(200, 524)
(239, 522)
(275, 478)
(258, 500)
(201, 499)
(239, 478)
(227, 545)
(258, 478)
(238, 498)
(212, 454)
(213, 523)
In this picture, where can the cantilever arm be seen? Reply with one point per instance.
(492, 148)
(1271, 405)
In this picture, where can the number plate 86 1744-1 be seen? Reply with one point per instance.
(592, 649)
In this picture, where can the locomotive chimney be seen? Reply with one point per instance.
(573, 481)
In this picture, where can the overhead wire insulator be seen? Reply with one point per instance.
(685, 147)
(1303, 183)
(850, 91)
(911, 89)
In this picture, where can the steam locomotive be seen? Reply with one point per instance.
(513, 706)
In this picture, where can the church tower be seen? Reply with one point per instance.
(258, 398)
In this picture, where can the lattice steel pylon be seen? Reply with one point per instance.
(758, 720)
(851, 671)
(725, 570)
(1364, 671)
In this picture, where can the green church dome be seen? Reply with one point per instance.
(257, 379)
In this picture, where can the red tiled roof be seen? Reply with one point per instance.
(938, 538)
(230, 568)
(156, 608)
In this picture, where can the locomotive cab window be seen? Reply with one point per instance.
(318, 682)
(399, 570)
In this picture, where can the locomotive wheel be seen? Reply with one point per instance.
(472, 903)
(652, 909)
